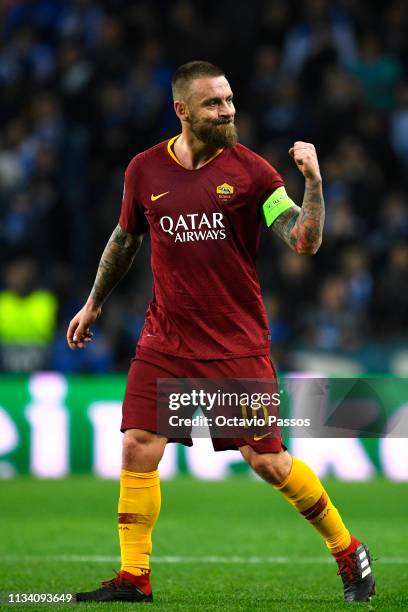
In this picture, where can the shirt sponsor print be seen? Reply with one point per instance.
(194, 227)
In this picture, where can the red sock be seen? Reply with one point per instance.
(350, 548)
(142, 582)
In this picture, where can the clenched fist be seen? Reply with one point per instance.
(304, 154)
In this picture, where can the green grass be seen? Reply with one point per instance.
(236, 518)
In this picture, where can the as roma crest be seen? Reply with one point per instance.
(225, 191)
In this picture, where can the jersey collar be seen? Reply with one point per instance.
(173, 155)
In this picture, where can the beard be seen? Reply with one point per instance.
(218, 134)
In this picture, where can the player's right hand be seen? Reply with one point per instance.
(79, 333)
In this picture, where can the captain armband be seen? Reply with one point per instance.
(276, 204)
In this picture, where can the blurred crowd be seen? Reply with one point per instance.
(85, 85)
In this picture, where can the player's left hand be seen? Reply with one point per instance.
(304, 154)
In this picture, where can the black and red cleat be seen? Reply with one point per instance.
(125, 587)
(355, 570)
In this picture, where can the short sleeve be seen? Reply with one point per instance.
(269, 180)
(132, 218)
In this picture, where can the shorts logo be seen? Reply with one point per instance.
(258, 438)
(225, 191)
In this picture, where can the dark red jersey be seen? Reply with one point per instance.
(204, 227)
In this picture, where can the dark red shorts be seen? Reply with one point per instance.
(140, 401)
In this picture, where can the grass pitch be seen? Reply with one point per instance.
(232, 545)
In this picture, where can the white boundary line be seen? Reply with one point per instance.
(189, 559)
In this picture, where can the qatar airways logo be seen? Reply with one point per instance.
(195, 227)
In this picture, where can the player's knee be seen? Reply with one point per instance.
(142, 450)
(272, 467)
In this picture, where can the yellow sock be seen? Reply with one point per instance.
(305, 492)
(139, 507)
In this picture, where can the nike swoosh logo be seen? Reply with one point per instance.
(159, 195)
(257, 438)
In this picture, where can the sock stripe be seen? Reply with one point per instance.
(317, 508)
(127, 518)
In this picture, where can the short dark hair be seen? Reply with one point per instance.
(190, 71)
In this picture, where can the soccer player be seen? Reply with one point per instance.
(201, 196)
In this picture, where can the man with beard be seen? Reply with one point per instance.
(201, 195)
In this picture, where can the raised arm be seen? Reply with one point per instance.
(115, 262)
(302, 228)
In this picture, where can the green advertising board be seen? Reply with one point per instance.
(53, 425)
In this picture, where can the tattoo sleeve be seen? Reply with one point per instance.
(115, 262)
(302, 228)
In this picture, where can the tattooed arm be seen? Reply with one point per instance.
(115, 262)
(302, 228)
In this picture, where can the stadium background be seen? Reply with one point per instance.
(85, 86)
